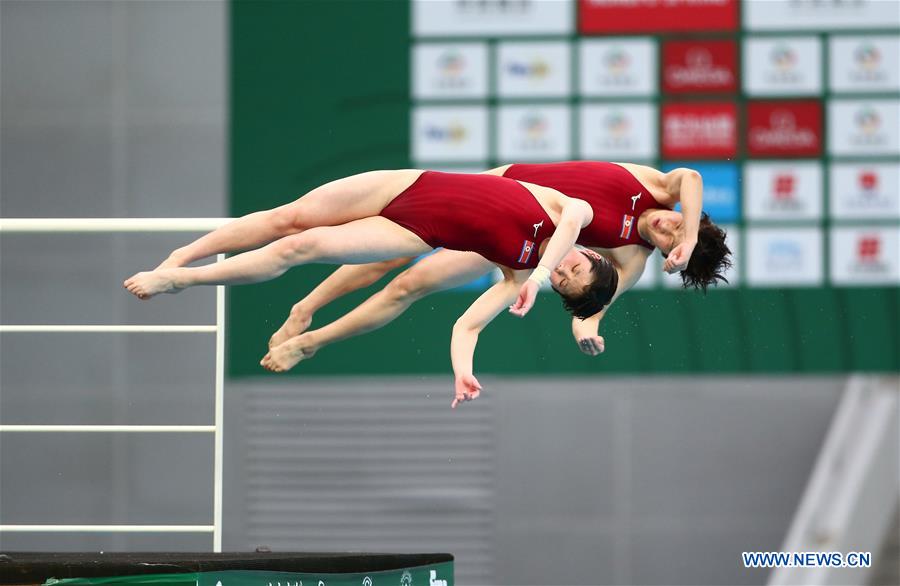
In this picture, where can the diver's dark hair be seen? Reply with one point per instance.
(598, 294)
(710, 259)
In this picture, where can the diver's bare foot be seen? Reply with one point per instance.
(286, 355)
(296, 324)
(149, 283)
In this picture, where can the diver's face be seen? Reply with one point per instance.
(665, 229)
(573, 275)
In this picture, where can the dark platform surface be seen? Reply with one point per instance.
(35, 568)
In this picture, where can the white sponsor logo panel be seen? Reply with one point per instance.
(864, 127)
(782, 66)
(820, 14)
(783, 190)
(733, 241)
(618, 132)
(534, 133)
(865, 256)
(534, 69)
(618, 67)
(492, 17)
(450, 134)
(864, 63)
(864, 191)
(452, 70)
(784, 257)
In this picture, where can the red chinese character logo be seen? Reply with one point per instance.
(868, 180)
(867, 248)
(784, 186)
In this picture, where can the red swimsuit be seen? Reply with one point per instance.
(496, 217)
(502, 221)
(616, 196)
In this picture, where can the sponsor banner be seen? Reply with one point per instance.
(450, 134)
(702, 129)
(534, 133)
(864, 127)
(815, 15)
(732, 275)
(451, 70)
(784, 257)
(864, 64)
(865, 256)
(534, 69)
(720, 189)
(699, 66)
(864, 191)
(782, 66)
(784, 129)
(649, 16)
(492, 17)
(618, 67)
(611, 132)
(783, 190)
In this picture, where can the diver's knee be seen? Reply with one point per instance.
(411, 285)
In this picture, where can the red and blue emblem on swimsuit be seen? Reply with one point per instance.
(627, 223)
(528, 245)
(527, 248)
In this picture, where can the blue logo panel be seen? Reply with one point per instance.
(721, 198)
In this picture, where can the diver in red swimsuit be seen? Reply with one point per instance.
(632, 215)
(383, 215)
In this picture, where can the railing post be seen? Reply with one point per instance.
(220, 395)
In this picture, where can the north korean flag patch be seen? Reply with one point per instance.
(627, 225)
(527, 248)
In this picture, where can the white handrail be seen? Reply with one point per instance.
(100, 225)
(107, 528)
(45, 329)
(151, 225)
(108, 428)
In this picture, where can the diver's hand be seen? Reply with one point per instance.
(679, 256)
(592, 346)
(467, 389)
(527, 295)
(585, 332)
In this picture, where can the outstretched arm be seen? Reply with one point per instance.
(470, 324)
(576, 214)
(684, 186)
(586, 330)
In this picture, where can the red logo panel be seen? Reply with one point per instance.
(699, 67)
(702, 129)
(784, 129)
(868, 248)
(868, 180)
(648, 16)
(783, 188)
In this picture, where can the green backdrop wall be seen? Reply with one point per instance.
(320, 90)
